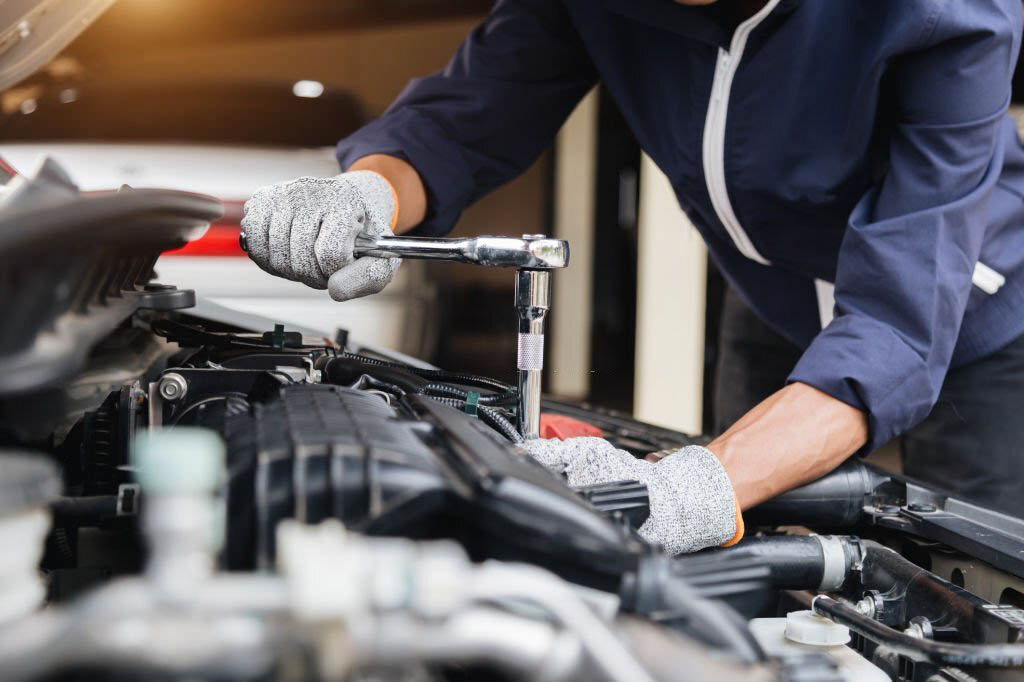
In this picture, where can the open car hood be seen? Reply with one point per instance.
(32, 32)
(75, 265)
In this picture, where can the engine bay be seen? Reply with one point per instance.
(184, 497)
(323, 442)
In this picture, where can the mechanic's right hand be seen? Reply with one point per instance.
(692, 502)
(305, 230)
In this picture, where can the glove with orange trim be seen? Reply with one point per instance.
(692, 502)
(305, 230)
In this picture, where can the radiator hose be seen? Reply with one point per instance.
(833, 501)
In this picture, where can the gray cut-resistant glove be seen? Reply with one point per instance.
(305, 230)
(692, 503)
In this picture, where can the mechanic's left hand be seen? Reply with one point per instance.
(692, 503)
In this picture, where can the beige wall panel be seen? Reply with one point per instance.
(671, 300)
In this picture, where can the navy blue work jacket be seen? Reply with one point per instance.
(859, 143)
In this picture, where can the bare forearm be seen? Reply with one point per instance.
(795, 436)
(411, 194)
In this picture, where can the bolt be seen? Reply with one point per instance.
(921, 507)
(919, 628)
(173, 387)
(871, 605)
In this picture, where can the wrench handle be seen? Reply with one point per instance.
(502, 252)
(424, 248)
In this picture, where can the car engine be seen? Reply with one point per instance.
(184, 496)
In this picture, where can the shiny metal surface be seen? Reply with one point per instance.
(533, 300)
(530, 251)
(534, 255)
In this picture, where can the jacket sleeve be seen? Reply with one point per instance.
(912, 243)
(489, 114)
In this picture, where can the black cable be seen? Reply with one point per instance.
(439, 374)
(337, 372)
(448, 391)
(495, 420)
(369, 382)
(488, 415)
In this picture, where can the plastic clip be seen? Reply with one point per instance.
(472, 400)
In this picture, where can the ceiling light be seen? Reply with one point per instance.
(308, 89)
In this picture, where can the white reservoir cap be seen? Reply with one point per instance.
(181, 460)
(807, 627)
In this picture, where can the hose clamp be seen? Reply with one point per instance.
(834, 574)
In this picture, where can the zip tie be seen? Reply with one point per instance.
(472, 400)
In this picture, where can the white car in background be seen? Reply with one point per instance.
(180, 155)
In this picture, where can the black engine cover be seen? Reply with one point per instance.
(418, 469)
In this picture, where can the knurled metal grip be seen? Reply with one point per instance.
(531, 352)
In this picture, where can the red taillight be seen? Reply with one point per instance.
(7, 171)
(221, 239)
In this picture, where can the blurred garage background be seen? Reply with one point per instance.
(223, 96)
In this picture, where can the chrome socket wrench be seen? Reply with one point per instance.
(534, 256)
(533, 300)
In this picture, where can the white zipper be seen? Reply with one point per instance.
(985, 278)
(714, 133)
(825, 294)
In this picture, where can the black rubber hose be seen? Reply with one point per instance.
(657, 587)
(489, 416)
(83, 510)
(833, 501)
(910, 589)
(720, 625)
(793, 562)
(921, 650)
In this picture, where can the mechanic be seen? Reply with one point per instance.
(840, 151)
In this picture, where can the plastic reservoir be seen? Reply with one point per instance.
(804, 632)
